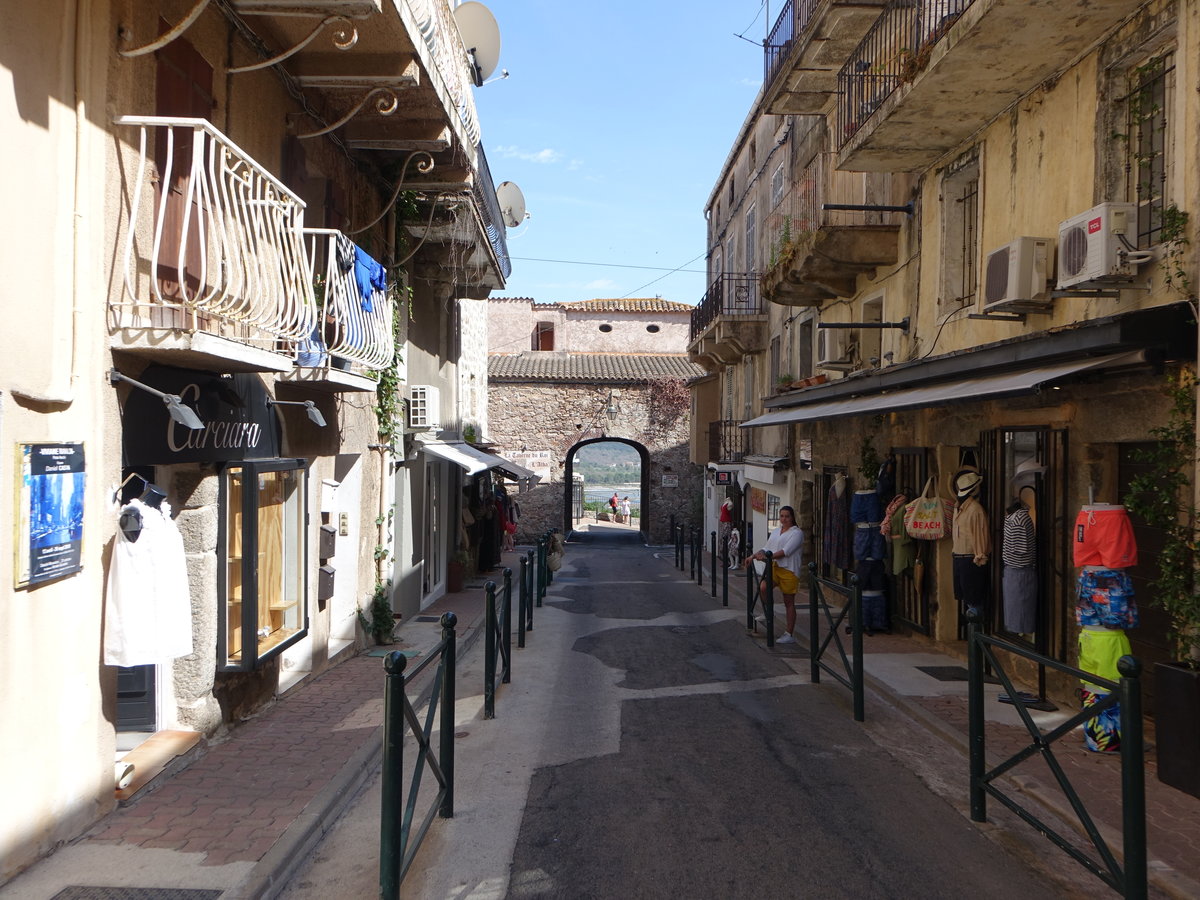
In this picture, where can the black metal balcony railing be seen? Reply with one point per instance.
(793, 19)
(893, 52)
(727, 442)
(489, 209)
(731, 294)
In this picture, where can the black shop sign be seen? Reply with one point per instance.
(238, 422)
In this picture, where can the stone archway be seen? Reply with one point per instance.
(569, 480)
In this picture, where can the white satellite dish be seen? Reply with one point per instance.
(512, 204)
(481, 36)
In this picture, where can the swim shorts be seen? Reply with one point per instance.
(1104, 537)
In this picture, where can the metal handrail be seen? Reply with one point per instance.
(397, 843)
(728, 442)
(1130, 881)
(349, 326)
(484, 191)
(850, 672)
(226, 250)
(730, 294)
(794, 18)
(893, 52)
(497, 656)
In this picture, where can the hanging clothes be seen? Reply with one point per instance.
(369, 275)
(837, 539)
(148, 608)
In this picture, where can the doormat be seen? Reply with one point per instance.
(953, 673)
(81, 892)
(384, 651)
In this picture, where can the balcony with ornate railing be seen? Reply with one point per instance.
(817, 254)
(353, 337)
(489, 210)
(930, 73)
(728, 442)
(215, 269)
(805, 48)
(729, 322)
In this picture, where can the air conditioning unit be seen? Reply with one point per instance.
(833, 348)
(1016, 276)
(424, 407)
(1090, 250)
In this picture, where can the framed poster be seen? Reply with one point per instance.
(49, 515)
(758, 500)
(670, 481)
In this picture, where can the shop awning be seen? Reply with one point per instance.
(1021, 381)
(473, 461)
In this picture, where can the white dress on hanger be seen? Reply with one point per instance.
(148, 610)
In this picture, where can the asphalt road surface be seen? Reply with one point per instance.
(648, 746)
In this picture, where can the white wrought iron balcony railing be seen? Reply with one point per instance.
(435, 22)
(214, 242)
(354, 324)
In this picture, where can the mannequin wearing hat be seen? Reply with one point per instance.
(971, 540)
(1019, 551)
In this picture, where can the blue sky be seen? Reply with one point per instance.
(615, 121)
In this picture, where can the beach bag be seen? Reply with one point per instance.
(928, 517)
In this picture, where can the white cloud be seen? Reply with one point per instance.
(542, 157)
(600, 284)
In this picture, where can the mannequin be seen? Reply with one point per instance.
(1019, 551)
(836, 543)
(971, 542)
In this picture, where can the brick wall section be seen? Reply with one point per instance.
(556, 417)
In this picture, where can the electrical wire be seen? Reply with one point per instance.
(661, 277)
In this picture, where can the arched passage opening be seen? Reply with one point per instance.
(644, 481)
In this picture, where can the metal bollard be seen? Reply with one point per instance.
(489, 651)
(975, 724)
(508, 625)
(392, 809)
(523, 602)
(1133, 778)
(713, 554)
(450, 662)
(725, 583)
(814, 626)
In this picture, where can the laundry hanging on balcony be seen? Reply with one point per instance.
(370, 275)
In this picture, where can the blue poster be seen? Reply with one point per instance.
(51, 515)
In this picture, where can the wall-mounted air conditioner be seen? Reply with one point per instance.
(833, 348)
(1016, 276)
(1090, 250)
(424, 407)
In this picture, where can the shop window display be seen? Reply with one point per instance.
(263, 556)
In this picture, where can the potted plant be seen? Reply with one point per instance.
(1162, 497)
(456, 571)
(784, 382)
(377, 620)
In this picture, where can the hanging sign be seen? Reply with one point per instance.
(758, 500)
(49, 520)
(238, 423)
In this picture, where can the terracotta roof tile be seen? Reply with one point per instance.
(598, 367)
(630, 304)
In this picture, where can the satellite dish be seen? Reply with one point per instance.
(512, 204)
(481, 36)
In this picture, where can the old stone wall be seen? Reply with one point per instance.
(558, 417)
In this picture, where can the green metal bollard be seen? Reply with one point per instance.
(814, 625)
(507, 638)
(391, 800)
(857, 642)
(975, 720)
(1133, 779)
(449, 622)
(489, 651)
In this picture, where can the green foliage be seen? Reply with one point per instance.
(1173, 235)
(389, 405)
(378, 621)
(1162, 497)
(670, 398)
(868, 461)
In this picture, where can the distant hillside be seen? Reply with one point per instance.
(608, 463)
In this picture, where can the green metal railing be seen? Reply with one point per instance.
(1130, 881)
(525, 598)
(849, 671)
(397, 842)
(497, 636)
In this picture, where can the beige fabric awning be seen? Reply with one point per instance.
(1018, 382)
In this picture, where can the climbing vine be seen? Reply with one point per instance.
(389, 404)
(670, 398)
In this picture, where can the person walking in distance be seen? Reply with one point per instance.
(625, 510)
(784, 548)
(612, 505)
